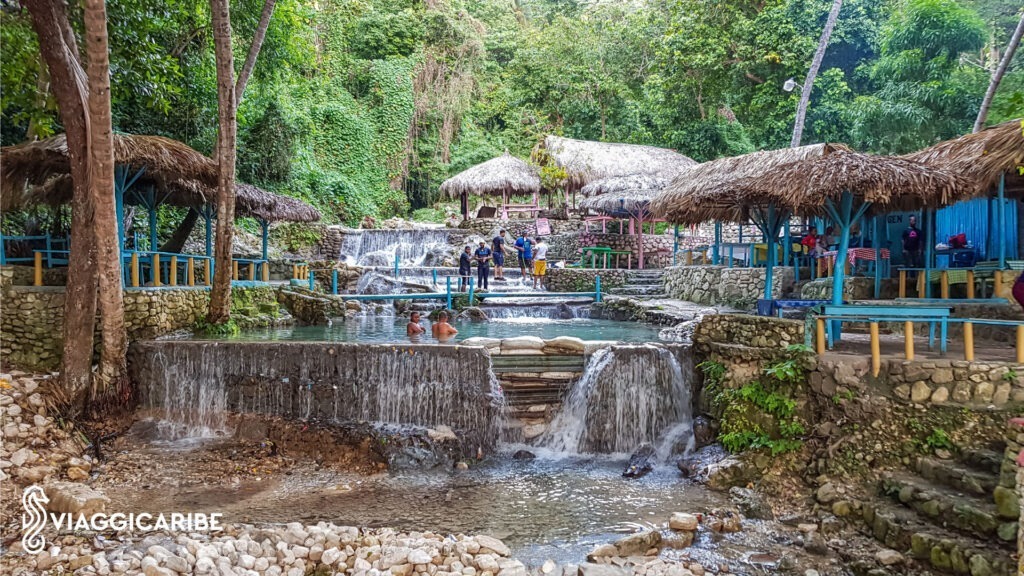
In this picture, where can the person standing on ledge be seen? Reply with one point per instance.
(414, 329)
(441, 329)
(912, 246)
(524, 247)
(498, 249)
(540, 263)
(465, 268)
(483, 268)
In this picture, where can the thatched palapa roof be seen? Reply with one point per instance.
(625, 183)
(585, 161)
(889, 183)
(258, 203)
(982, 156)
(703, 193)
(504, 174)
(625, 203)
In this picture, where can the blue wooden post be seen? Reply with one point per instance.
(448, 291)
(152, 229)
(1001, 208)
(730, 256)
(334, 282)
(3, 251)
(49, 252)
(675, 244)
(312, 280)
(470, 290)
(433, 274)
(208, 213)
(265, 232)
(716, 256)
(397, 257)
(876, 242)
(770, 233)
(787, 244)
(597, 288)
(844, 216)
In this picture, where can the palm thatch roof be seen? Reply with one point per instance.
(703, 192)
(625, 203)
(888, 183)
(624, 183)
(504, 174)
(164, 160)
(982, 156)
(585, 161)
(258, 203)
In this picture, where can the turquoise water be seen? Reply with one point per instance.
(391, 329)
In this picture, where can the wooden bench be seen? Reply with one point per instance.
(531, 208)
(873, 314)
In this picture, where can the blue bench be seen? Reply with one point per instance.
(871, 313)
(778, 306)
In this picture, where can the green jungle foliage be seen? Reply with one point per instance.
(363, 107)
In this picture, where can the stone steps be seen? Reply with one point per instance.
(974, 516)
(982, 459)
(655, 290)
(901, 528)
(960, 477)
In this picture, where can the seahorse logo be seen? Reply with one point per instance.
(34, 519)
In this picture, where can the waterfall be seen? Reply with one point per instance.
(627, 395)
(551, 311)
(192, 385)
(379, 247)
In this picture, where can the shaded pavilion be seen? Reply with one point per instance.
(587, 162)
(505, 175)
(993, 159)
(846, 185)
(705, 192)
(150, 171)
(631, 204)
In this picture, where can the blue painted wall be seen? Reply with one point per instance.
(972, 218)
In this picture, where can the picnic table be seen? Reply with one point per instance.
(594, 252)
(855, 254)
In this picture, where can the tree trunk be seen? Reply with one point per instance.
(997, 77)
(819, 55)
(176, 243)
(254, 49)
(113, 372)
(220, 298)
(67, 81)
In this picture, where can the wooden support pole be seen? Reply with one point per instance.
(207, 272)
(876, 350)
(831, 267)
(944, 284)
(969, 341)
(252, 270)
(135, 269)
(39, 269)
(295, 271)
(266, 271)
(997, 286)
(156, 270)
(173, 276)
(234, 269)
(689, 258)
(908, 339)
(922, 281)
(191, 271)
(970, 284)
(1020, 344)
(903, 283)
(819, 336)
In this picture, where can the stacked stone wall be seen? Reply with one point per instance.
(13, 275)
(583, 279)
(32, 318)
(738, 287)
(657, 247)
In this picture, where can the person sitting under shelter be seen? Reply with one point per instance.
(441, 329)
(810, 243)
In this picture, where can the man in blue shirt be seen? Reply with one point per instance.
(525, 249)
(483, 265)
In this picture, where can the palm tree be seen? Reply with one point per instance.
(819, 55)
(997, 76)
(113, 371)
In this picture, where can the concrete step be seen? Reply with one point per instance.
(974, 516)
(900, 528)
(957, 476)
(638, 290)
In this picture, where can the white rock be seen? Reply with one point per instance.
(487, 563)
(420, 557)
(331, 556)
(21, 457)
(683, 521)
(522, 343)
(493, 543)
(247, 561)
(177, 564)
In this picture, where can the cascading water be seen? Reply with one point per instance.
(192, 385)
(379, 247)
(550, 311)
(627, 395)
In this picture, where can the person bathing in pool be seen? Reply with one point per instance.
(441, 329)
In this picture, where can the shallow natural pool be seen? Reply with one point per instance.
(389, 329)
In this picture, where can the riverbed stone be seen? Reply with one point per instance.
(75, 498)
(637, 544)
(683, 521)
(920, 391)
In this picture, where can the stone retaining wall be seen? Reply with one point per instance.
(32, 319)
(738, 287)
(1011, 480)
(12, 275)
(582, 279)
(490, 226)
(856, 288)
